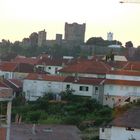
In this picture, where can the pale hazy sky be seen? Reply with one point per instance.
(19, 18)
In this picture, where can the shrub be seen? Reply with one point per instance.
(75, 120)
(33, 116)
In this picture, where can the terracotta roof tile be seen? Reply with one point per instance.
(129, 118)
(16, 67)
(132, 65)
(116, 64)
(128, 65)
(28, 60)
(88, 66)
(16, 82)
(8, 66)
(122, 82)
(45, 77)
(84, 80)
(124, 72)
(53, 62)
(2, 84)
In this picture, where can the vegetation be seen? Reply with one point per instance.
(9, 50)
(84, 112)
(70, 110)
(99, 41)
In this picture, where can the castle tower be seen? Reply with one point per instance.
(42, 38)
(75, 32)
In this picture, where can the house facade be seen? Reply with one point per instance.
(36, 85)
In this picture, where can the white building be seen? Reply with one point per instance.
(125, 127)
(120, 87)
(36, 85)
(119, 92)
(109, 36)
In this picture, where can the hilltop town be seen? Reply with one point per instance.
(99, 75)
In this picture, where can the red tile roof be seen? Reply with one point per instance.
(84, 80)
(87, 66)
(90, 81)
(6, 93)
(53, 62)
(16, 82)
(80, 80)
(45, 77)
(8, 66)
(130, 119)
(124, 72)
(2, 84)
(122, 82)
(24, 68)
(16, 67)
(128, 65)
(132, 65)
(116, 64)
(23, 59)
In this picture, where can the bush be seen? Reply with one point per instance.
(51, 120)
(33, 116)
(74, 120)
(95, 138)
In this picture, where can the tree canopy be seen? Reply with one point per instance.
(99, 41)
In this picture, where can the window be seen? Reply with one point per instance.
(56, 70)
(96, 90)
(49, 68)
(83, 88)
(130, 129)
(103, 129)
(67, 86)
(6, 75)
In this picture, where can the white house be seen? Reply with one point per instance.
(86, 68)
(7, 69)
(85, 86)
(116, 92)
(36, 85)
(123, 75)
(51, 65)
(121, 86)
(124, 127)
(90, 78)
